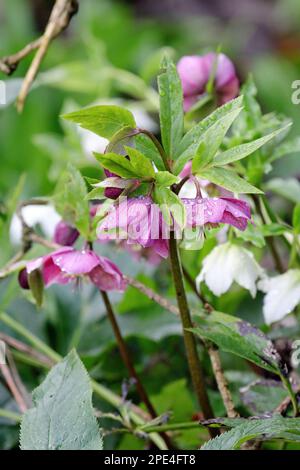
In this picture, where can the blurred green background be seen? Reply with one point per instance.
(261, 36)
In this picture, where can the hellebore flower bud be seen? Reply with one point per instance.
(23, 279)
(65, 234)
(195, 72)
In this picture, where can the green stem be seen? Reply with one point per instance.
(125, 355)
(136, 414)
(171, 427)
(10, 415)
(189, 339)
(293, 398)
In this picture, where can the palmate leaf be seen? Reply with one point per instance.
(239, 337)
(187, 147)
(244, 430)
(241, 151)
(228, 179)
(103, 120)
(171, 107)
(63, 416)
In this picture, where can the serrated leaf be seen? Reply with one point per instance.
(63, 416)
(239, 337)
(117, 164)
(164, 179)
(140, 163)
(276, 427)
(104, 120)
(241, 151)
(171, 107)
(263, 396)
(211, 140)
(120, 139)
(228, 179)
(188, 145)
(70, 200)
(144, 144)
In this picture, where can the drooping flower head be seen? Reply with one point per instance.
(195, 72)
(202, 211)
(282, 295)
(228, 263)
(139, 221)
(67, 264)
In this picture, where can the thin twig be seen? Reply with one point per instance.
(17, 379)
(283, 406)
(25, 348)
(13, 388)
(60, 17)
(152, 295)
(221, 381)
(10, 63)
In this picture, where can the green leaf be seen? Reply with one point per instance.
(228, 179)
(242, 151)
(291, 146)
(239, 337)
(103, 120)
(70, 200)
(144, 144)
(211, 140)
(120, 139)
(62, 417)
(250, 117)
(164, 179)
(140, 163)
(263, 396)
(171, 206)
(188, 145)
(117, 164)
(276, 427)
(171, 107)
(288, 188)
(296, 219)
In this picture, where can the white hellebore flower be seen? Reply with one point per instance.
(282, 295)
(228, 263)
(43, 215)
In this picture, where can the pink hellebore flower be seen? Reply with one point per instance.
(66, 264)
(195, 72)
(202, 211)
(138, 221)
